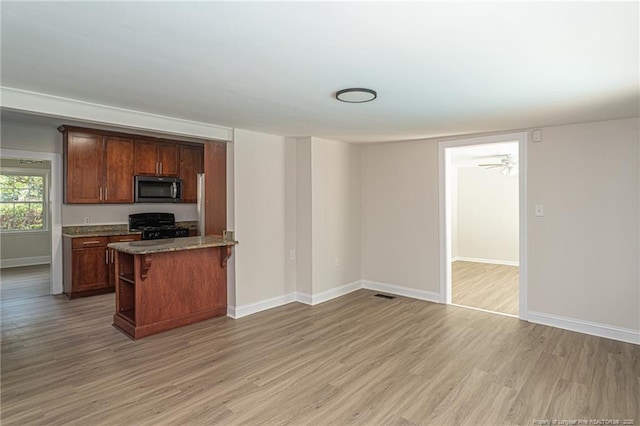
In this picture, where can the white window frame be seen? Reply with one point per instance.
(45, 202)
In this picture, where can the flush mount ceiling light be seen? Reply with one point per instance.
(356, 95)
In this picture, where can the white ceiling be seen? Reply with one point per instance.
(439, 68)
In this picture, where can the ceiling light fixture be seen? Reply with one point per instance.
(508, 166)
(356, 95)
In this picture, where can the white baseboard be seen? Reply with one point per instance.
(305, 298)
(252, 308)
(490, 261)
(596, 329)
(402, 291)
(314, 299)
(24, 261)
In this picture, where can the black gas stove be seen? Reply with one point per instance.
(156, 226)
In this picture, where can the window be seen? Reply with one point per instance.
(23, 197)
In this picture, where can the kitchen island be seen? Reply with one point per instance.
(164, 284)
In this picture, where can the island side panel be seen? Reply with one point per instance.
(181, 287)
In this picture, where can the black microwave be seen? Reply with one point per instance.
(150, 189)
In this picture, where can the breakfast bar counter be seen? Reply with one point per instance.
(172, 244)
(164, 284)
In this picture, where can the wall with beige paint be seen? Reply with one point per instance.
(304, 208)
(294, 194)
(259, 192)
(336, 212)
(400, 234)
(485, 215)
(582, 256)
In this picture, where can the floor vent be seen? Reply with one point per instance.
(385, 296)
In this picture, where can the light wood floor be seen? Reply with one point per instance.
(485, 286)
(25, 282)
(358, 359)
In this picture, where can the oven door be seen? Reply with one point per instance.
(150, 189)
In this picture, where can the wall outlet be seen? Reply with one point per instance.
(86, 220)
(292, 255)
(539, 210)
(336, 262)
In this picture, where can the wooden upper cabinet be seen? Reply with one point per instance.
(156, 158)
(169, 160)
(100, 165)
(118, 170)
(83, 161)
(146, 158)
(191, 163)
(98, 169)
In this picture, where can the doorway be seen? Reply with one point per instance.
(482, 225)
(54, 207)
(25, 254)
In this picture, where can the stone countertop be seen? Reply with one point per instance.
(111, 230)
(171, 244)
(96, 231)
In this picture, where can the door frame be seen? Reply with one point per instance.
(55, 208)
(444, 159)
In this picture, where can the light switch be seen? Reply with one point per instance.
(539, 210)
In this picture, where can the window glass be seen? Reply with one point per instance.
(22, 202)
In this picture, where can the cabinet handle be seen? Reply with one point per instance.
(157, 168)
(100, 194)
(125, 240)
(106, 194)
(106, 256)
(91, 242)
(112, 254)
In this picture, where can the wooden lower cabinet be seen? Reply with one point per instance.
(88, 265)
(161, 291)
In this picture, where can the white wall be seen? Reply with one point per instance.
(487, 215)
(31, 137)
(304, 207)
(259, 180)
(400, 242)
(106, 214)
(582, 256)
(452, 180)
(336, 214)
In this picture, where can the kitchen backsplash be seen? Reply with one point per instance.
(112, 214)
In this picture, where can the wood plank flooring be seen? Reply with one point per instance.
(485, 286)
(358, 359)
(24, 282)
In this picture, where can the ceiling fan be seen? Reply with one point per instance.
(508, 165)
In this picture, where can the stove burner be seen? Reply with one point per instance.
(155, 226)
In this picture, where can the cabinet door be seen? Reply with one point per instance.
(90, 268)
(146, 158)
(191, 163)
(83, 162)
(168, 158)
(118, 170)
